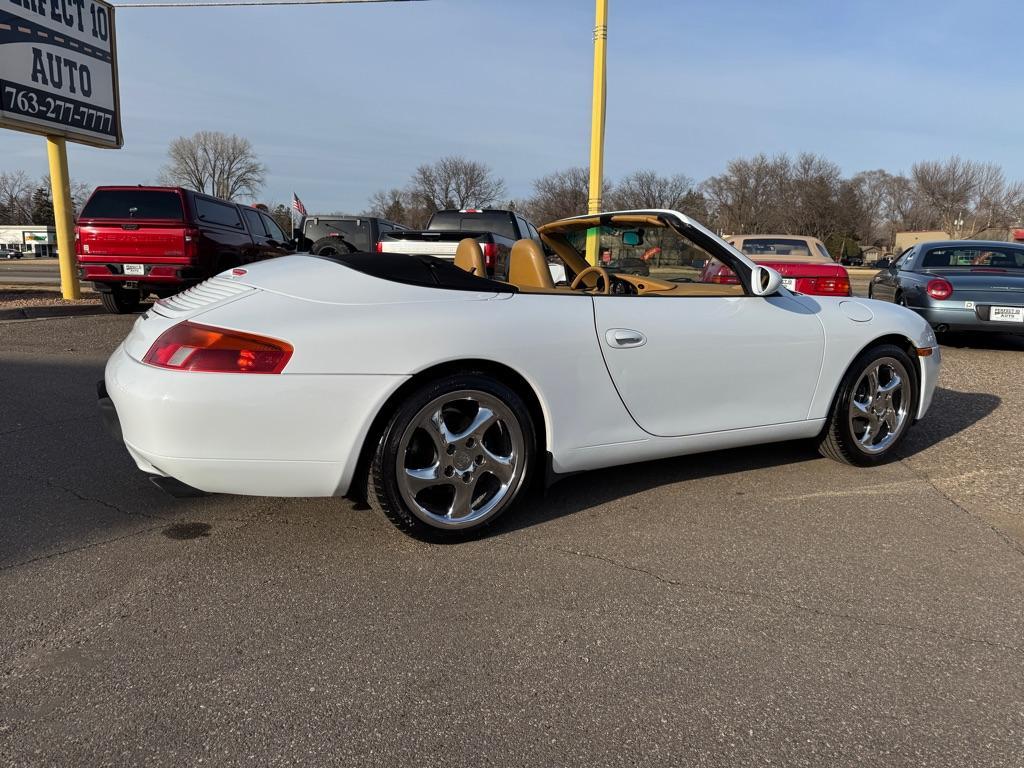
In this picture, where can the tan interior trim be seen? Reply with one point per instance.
(587, 222)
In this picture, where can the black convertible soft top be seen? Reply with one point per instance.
(428, 271)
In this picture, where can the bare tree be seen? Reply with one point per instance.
(454, 182)
(15, 197)
(948, 188)
(218, 164)
(395, 205)
(648, 189)
(751, 196)
(558, 195)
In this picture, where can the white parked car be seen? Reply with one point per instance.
(442, 395)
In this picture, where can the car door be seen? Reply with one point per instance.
(277, 243)
(254, 222)
(686, 365)
(886, 282)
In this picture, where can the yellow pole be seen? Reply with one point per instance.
(60, 180)
(597, 126)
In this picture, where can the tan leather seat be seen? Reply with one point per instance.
(470, 257)
(528, 266)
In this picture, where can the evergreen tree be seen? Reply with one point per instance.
(42, 206)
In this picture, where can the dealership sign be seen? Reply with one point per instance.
(58, 70)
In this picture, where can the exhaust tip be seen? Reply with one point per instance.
(176, 488)
(941, 328)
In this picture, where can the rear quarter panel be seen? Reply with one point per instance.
(549, 340)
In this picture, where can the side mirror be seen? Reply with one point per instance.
(633, 237)
(765, 281)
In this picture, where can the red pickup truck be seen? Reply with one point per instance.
(134, 241)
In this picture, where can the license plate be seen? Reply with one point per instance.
(1006, 314)
(135, 269)
(789, 283)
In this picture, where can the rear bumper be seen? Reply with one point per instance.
(959, 318)
(111, 274)
(260, 435)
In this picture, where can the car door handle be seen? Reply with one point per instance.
(624, 338)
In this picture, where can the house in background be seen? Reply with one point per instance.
(905, 240)
(30, 239)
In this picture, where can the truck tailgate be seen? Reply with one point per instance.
(442, 250)
(156, 242)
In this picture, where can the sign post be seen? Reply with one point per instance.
(58, 78)
(597, 126)
(57, 150)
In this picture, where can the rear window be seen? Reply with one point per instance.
(456, 221)
(133, 204)
(355, 232)
(766, 248)
(974, 256)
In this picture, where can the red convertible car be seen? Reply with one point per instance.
(804, 263)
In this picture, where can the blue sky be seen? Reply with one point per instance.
(340, 101)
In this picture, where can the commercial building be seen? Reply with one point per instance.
(30, 239)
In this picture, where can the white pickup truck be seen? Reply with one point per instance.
(496, 231)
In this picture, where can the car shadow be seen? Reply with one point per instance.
(951, 413)
(993, 341)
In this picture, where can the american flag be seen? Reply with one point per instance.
(297, 205)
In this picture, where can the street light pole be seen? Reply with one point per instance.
(597, 126)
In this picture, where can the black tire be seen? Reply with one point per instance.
(331, 246)
(383, 492)
(120, 301)
(838, 441)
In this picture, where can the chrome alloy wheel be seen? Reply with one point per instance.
(462, 457)
(880, 405)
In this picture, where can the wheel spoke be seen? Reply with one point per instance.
(462, 502)
(502, 467)
(872, 430)
(862, 410)
(894, 385)
(438, 431)
(873, 382)
(427, 477)
(891, 419)
(485, 418)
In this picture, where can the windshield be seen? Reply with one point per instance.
(457, 221)
(133, 204)
(658, 251)
(966, 257)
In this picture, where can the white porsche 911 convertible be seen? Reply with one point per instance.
(442, 392)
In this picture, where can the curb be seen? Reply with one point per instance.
(36, 313)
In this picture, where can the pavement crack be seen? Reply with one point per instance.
(51, 483)
(80, 548)
(1009, 540)
(769, 598)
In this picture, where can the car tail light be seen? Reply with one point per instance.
(838, 285)
(380, 246)
(490, 254)
(193, 347)
(78, 242)
(192, 244)
(939, 289)
(724, 276)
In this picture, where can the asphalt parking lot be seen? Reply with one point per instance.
(762, 606)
